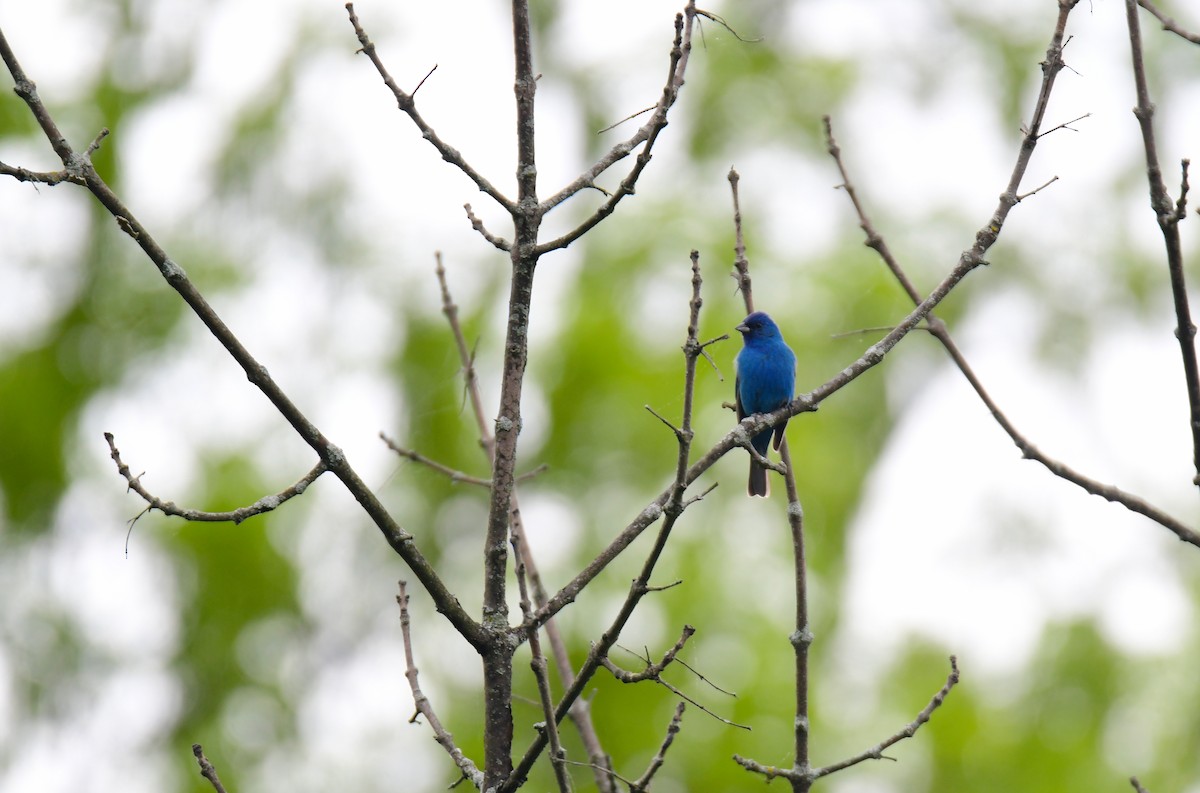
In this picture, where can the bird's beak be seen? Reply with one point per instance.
(743, 328)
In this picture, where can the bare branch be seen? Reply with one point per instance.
(802, 777)
(264, 504)
(406, 103)
(50, 178)
(642, 784)
(424, 707)
(1168, 216)
(910, 729)
(647, 134)
(498, 242)
(741, 266)
(1168, 23)
(654, 670)
(537, 663)
(206, 769)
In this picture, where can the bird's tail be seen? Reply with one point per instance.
(759, 484)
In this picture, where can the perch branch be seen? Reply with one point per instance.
(802, 637)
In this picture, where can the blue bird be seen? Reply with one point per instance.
(766, 378)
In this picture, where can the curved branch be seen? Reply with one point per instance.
(264, 504)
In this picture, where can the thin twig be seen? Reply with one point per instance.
(424, 707)
(541, 676)
(652, 670)
(498, 242)
(720, 20)
(655, 674)
(907, 731)
(741, 266)
(1064, 125)
(642, 783)
(452, 474)
(629, 117)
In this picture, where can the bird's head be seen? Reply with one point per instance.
(758, 326)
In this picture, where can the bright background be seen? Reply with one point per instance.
(273, 165)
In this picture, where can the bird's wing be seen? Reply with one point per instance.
(737, 396)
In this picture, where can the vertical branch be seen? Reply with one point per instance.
(741, 266)
(801, 639)
(497, 658)
(1168, 215)
(537, 663)
(421, 702)
(580, 712)
(672, 510)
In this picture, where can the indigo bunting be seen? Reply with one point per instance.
(766, 377)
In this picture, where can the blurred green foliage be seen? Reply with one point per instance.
(618, 324)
